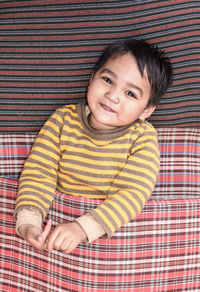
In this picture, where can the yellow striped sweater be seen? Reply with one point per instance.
(119, 166)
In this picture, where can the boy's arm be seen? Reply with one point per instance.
(39, 177)
(133, 185)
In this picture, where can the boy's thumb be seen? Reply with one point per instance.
(43, 236)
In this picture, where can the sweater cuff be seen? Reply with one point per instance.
(28, 216)
(91, 227)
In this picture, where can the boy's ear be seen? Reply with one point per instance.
(147, 112)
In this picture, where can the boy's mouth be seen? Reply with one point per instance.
(107, 108)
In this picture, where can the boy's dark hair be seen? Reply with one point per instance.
(157, 64)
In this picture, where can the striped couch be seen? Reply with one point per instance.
(47, 50)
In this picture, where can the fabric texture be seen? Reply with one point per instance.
(118, 165)
(159, 251)
(14, 149)
(179, 174)
(48, 50)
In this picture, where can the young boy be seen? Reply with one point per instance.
(101, 149)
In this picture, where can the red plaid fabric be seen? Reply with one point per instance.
(179, 174)
(14, 149)
(159, 251)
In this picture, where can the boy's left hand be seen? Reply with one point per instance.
(66, 237)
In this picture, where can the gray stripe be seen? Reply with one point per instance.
(127, 211)
(36, 195)
(91, 166)
(25, 179)
(145, 166)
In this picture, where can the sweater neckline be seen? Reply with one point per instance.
(83, 112)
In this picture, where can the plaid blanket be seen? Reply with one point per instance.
(159, 251)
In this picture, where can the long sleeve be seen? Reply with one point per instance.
(39, 178)
(132, 187)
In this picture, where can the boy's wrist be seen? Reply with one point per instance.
(91, 227)
(81, 231)
(28, 216)
(22, 228)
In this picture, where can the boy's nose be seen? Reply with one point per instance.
(113, 95)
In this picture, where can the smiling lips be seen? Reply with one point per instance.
(106, 108)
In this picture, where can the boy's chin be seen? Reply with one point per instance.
(102, 125)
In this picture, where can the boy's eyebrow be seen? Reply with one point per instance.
(129, 83)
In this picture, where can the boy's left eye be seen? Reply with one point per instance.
(129, 93)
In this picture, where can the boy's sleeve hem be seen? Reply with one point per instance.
(91, 227)
(108, 232)
(28, 216)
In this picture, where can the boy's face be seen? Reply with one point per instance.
(118, 94)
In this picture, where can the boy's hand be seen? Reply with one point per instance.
(34, 236)
(65, 237)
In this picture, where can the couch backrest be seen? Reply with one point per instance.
(48, 49)
(179, 174)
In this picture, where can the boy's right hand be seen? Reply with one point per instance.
(34, 236)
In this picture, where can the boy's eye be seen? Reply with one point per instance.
(108, 80)
(131, 94)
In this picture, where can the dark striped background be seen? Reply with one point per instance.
(48, 49)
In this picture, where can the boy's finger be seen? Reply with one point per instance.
(43, 236)
(51, 239)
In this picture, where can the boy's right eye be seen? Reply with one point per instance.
(108, 80)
